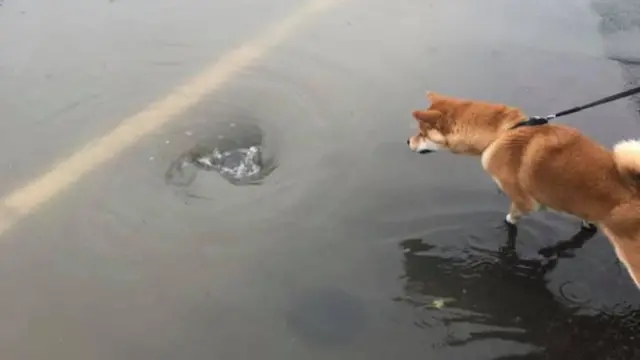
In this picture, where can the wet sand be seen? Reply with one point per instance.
(353, 247)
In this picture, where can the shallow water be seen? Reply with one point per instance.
(401, 255)
(349, 246)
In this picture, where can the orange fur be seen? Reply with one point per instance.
(554, 166)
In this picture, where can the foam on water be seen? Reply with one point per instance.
(238, 164)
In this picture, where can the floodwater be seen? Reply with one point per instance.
(351, 246)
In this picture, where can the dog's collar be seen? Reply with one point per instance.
(532, 121)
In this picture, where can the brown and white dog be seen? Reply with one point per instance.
(549, 166)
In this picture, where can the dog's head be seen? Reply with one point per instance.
(460, 126)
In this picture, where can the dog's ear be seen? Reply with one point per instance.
(429, 117)
(430, 120)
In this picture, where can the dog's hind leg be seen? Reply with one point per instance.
(588, 226)
(516, 211)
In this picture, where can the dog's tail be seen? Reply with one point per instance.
(627, 157)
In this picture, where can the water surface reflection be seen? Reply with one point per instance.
(503, 295)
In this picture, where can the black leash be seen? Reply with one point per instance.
(539, 120)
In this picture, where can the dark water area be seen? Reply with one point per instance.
(510, 296)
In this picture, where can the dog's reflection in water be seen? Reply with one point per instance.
(510, 296)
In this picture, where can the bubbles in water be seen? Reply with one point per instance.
(238, 164)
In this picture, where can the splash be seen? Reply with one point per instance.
(238, 164)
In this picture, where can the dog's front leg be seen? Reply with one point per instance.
(521, 204)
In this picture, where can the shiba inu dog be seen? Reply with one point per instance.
(546, 166)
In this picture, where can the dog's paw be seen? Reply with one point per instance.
(587, 226)
(511, 220)
(508, 226)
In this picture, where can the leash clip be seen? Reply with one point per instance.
(539, 120)
(534, 121)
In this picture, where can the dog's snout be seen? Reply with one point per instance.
(408, 141)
